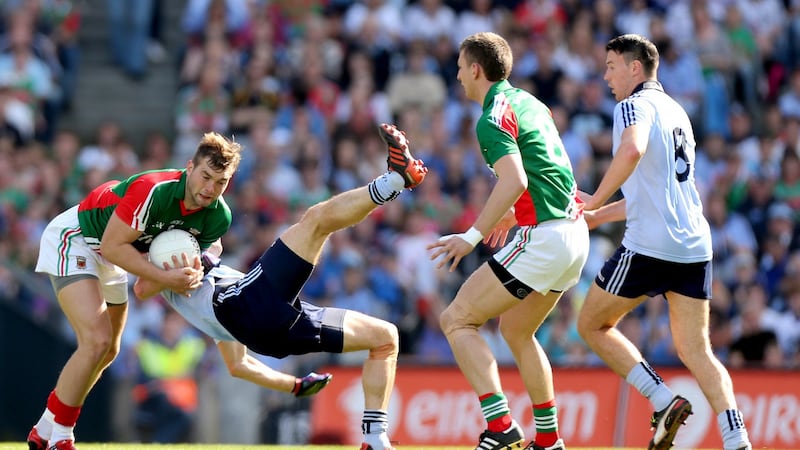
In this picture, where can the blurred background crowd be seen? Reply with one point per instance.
(303, 84)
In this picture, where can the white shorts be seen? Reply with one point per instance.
(64, 253)
(549, 256)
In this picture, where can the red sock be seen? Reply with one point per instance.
(497, 424)
(64, 414)
(545, 437)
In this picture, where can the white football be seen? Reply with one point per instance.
(173, 242)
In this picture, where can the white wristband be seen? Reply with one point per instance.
(472, 236)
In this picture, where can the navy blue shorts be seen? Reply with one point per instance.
(631, 275)
(263, 310)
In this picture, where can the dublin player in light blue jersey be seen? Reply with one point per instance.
(666, 248)
(262, 311)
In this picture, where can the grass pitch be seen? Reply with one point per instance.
(115, 446)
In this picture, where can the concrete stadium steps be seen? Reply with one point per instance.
(104, 92)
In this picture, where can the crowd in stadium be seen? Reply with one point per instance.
(303, 85)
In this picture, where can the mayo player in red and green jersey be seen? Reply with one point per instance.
(89, 249)
(522, 282)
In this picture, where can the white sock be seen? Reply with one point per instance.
(61, 432)
(45, 424)
(731, 427)
(650, 384)
(374, 426)
(386, 187)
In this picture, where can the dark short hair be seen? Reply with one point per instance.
(491, 52)
(635, 47)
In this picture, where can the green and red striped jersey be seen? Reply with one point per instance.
(151, 202)
(514, 121)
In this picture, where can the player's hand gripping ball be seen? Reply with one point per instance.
(173, 242)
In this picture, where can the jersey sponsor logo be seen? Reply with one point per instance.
(80, 262)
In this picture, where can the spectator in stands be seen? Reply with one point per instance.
(204, 19)
(64, 150)
(787, 189)
(548, 73)
(201, 108)
(479, 16)
(59, 21)
(129, 24)
(757, 344)
(31, 77)
(417, 85)
(376, 23)
(360, 107)
(682, 77)
(537, 16)
(100, 154)
(748, 60)
(787, 327)
(718, 62)
(767, 19)
(758, 198)
(167, 393)
(214, 51)
(575, 56)
(604, 14)
(426, 20)
(17, 120)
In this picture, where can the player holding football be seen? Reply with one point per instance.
(261, 310)
(87, 250)
(666, 248)
(521, 284)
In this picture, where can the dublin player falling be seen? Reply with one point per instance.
(261, 309)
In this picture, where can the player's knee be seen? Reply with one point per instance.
(96, 345)
(585, 325)
(111, 354)
(455, 318)
(313, 220)
(387, 342)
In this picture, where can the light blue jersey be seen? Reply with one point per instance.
(198, 309)
(664, 213)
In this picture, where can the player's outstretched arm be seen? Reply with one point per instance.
(611, 212)
(241, 365)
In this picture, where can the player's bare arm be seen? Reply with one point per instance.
(511, 183)
(612, 212)
(499, 234)
(631, 148)
(241, 365)
(116, 247)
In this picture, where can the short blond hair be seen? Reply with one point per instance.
(490, 51)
